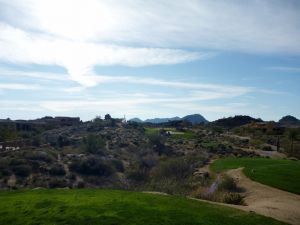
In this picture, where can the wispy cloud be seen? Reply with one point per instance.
(254, 26)
(35, 75)
(284, 69)
(18, 86)
(81, 34)
(79, 58)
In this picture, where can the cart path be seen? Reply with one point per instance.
(266, 200)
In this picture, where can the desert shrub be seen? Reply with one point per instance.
(267, 148)
(35, 165)
(219, 196)
(57, 170)
(158, 143)
(94, 144)
(39, 155)
(5, 172)
(36, 141)
(71, 176)
(62, 141)
(172, 176)
(3, 164)
(171, 186)
(232, 198)
(57, 183)
(16, 162)
(80, 184)
(118, 164)
(22, 170)
(147, 162)
(227, 184)
(255, 142)
(92, 166)
(137, 175)
(175, 168)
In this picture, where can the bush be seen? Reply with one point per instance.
(16, 162)
(137, 175)
(227, 184)
(94, 144)
(233, 198)
(80, 184)
(92, 166)
(175, 168)
(39, 155)
(118, 164)
(57, 170)
(58, 183)
(172, 176)
(22, 170)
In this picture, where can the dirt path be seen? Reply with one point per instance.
(268, 201)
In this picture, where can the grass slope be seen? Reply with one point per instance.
(281, 173)
(85, 206)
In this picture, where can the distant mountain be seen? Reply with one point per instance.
(195, 119)
(289, 120)
(137, 120)
(235, 121)
(162, 120)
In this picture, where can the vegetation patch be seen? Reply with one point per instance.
(86, 206)
(281, 173)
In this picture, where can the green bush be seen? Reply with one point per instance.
(22, 170)
(94, 144)
(40, 156)
(178, 168)
(92, 166)
(118, 164)
(57, 183)
(57, 170)
(137, 175)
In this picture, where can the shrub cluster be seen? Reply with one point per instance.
(92, 166)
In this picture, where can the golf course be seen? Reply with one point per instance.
(86, 206)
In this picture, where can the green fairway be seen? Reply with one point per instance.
(86, 206)
(281, 173)
(174, 133)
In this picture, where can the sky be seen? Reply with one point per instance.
(149, 58)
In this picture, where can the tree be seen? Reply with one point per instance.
(107, 117)
(292, 135)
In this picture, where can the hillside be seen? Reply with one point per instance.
(195, 119)
(289, 121)
(235, 121)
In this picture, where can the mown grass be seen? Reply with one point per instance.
(108, 207)
(279, 173)
(184, 135)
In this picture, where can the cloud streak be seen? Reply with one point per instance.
(18, 86)
(79, 58)
(254, 26)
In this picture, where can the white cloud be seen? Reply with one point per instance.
(34, 75)
(284, 69)
(79, 58)
(81, 34)
(18, 86)
(252, 26)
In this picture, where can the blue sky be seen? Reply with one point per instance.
(149, 58)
